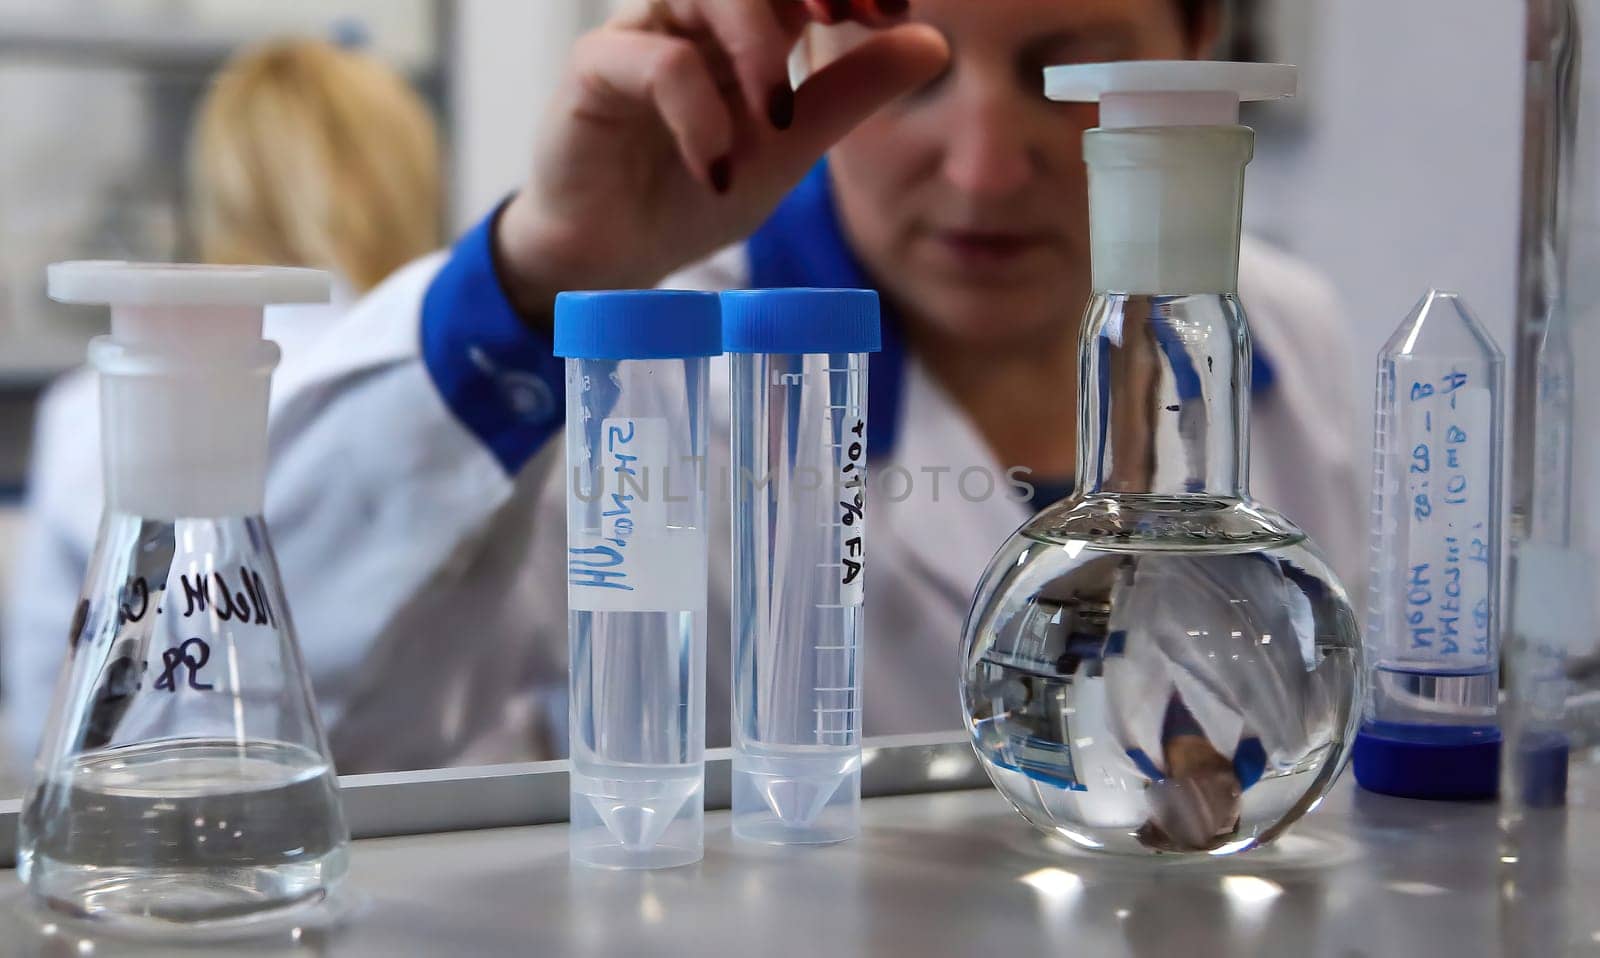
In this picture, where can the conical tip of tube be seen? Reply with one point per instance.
(1441, 324)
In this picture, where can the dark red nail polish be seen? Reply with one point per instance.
(839, 10)
(894, 8)
(722, 175)
(780, 106)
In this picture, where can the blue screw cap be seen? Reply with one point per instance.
(638, 324)
(802, 321)
(1441, 763)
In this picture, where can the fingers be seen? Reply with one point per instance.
(757, 37)
(871, 12)
(884, 68)
(758, 45)
(669, 74)
(639, 68)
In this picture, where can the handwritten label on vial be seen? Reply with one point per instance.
(637, 560)
(191, 656)
(248, 604)
(1447, 500)
(213, 598)
(852, 513)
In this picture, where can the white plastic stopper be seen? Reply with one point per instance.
(200, 306)
(1141, 93)
(184, 284)
(183, 379)
(1166, 168)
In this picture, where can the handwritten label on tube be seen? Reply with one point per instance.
(852, 514)
(636, 561)
(1448, 485)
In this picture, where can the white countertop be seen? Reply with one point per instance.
(960, 874)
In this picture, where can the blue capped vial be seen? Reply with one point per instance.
(637, 368)
(1433, 622)
(798, 371)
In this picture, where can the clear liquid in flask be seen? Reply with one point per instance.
(186, 831)
(184, 778)
(1186, 698)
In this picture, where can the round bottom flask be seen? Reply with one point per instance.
(1158, 665)
(1155, 676)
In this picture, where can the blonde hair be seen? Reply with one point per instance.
(304, 154)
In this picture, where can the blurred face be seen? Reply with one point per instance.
(968, 201)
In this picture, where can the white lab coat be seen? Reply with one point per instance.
(429, 588)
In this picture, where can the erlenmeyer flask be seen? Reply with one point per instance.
(183, 777)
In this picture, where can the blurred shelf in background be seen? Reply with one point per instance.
(98, 97)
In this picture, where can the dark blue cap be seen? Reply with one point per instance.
(1447, 763)
(1542, 758)
(638, 324)
(800, 321)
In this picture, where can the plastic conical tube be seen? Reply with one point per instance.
(798, 368)
(637, 372)
(1433, 624)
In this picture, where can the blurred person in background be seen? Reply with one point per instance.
(302, 154)
(417, 454)
(417, 489)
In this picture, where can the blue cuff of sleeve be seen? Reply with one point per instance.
(501, 379)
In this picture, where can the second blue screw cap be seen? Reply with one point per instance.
(801, 321)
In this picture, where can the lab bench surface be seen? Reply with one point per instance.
(959, 873)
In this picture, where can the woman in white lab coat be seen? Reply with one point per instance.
(303, 154)
(416, 493)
